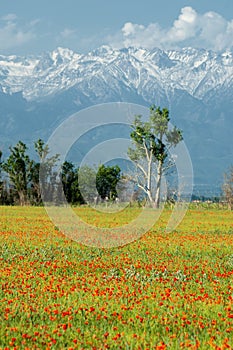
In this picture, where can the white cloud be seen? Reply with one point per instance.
(209, 30)
(216, 30)
(184, 27)
(139, 34)
(12, 35)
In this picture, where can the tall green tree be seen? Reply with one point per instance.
(70, 183)
(107, 178)
(68, 177)
(151, 142)
(42, 173)
(37, 166)
(17, 166)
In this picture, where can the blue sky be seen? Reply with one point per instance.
(31, 26)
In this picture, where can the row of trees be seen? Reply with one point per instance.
(20, 181)
(151, 142)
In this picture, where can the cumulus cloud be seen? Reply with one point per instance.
(139, 35)
(209, 30)
(12, 35)
(216, 30)
(185, 27)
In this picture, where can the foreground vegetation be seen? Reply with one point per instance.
(164, 291)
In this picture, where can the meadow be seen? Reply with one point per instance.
(163, 291)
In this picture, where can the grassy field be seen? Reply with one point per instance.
(164, 291)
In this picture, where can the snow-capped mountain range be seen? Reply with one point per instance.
(196, 85)
(198, 72)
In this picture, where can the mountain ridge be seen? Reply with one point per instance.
(196, 71)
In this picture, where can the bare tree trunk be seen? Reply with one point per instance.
(22, 198)
(148, 189)
(158, 184)
(150, 197)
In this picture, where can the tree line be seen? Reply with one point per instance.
(21, 183)
(152, 140)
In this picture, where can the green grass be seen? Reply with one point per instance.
(164, 291)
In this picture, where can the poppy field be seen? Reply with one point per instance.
(163, 291)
